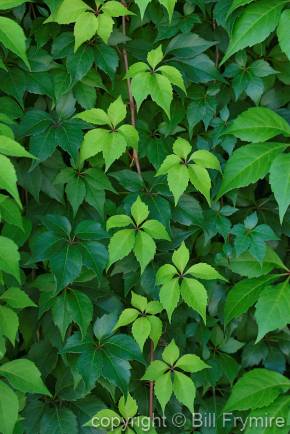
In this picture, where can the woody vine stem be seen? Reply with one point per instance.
(131, 99)
(137, 163)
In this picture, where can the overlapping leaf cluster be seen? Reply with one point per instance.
(144, 212)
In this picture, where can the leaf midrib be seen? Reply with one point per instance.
(261, 17)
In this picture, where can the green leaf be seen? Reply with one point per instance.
(178, 177)
(156, 329)
(130, 134)
(171, 353)
(127, 317)
(118, 221)
(8, 178)
(9, 257)
(85, 28)
(17, 298)
(236, 4)
(121, 244)
(204, 271)
(93, 143)
(155, 56)
(194, 294)
(117, 371)
(10, 212)
(142, 5)
(114, 145)
(58, 420)
(184, 390)
(139, 211)
(200, 179)
(155, 370)
(181, 148)
(11, 148)
(161, 92)
(76, 193)
(206, 159)
(253, 25)
(156, 230)
(94, 116)
(66, 263)
(255, 389)
(141, 87)
(165, 273)
(141, 331)
(173, 75)
(273, 309)
(248, 164)
(144, 249)
(94, 257)
(280, 182)
(180, 257)
(99, 419)
(258, 124)
(243, 295)
(8, 323)
(105, 27)
(247, 265)
(169, 6)
(9, 407)
(68, 11)
(279, 410)
(169, 162)
(169, 296)
(72, 306)
(8, 4)
(117, 111)
(163, 389)
(139, 301)
(283, 32)
(128, 407)
(115, 9)
(13, 38)
(154, 307)
(24, 376)
(191, 363)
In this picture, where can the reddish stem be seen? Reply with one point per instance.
(131, 99)
(151, 384)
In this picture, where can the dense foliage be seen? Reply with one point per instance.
(145, 185)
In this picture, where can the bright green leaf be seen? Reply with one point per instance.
(121, 244)
(13, 38)
(24, 376)
(184, 390)
(194, 294)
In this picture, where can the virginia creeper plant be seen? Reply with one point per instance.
(144, 215)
